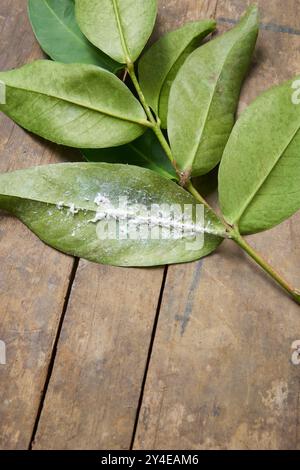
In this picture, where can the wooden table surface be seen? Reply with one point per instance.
(196, 356)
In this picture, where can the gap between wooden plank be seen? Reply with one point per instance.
(161, 294)
(211, 10)
(275, 28)
(93, 394)
(54, 349)
(33, 278)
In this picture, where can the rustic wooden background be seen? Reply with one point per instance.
(196, 356)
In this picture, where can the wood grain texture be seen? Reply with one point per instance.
(220, 375)
(95, 386)
(33, 277)
(172, 13)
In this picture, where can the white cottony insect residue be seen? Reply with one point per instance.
(100, 199)
(72, 209)
(137, 221)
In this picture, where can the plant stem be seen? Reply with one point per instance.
(191, 189)
(155, 123)
(232, 232)
(234, 235)
(241, 242)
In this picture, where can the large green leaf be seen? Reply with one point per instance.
(160, 64)
(205, 94)
(120, 28)
(145, 151)
(64, 204)
(260, 171)
(73, 104)
(55, 27)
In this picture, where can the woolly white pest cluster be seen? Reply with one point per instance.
(169, 217)
(157, 221)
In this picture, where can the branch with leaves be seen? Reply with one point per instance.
(148, 144)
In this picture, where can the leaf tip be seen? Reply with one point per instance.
(252, 13)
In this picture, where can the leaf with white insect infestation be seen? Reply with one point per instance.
(55, 27)
(159, 66)
(120, 28)
(260, 169)
(73, 104)
(204, 97)
(64, 203)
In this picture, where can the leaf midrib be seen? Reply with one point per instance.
(79, 38)
(191, 40)
(210, 105)
(121, 32)
(262, 182)
(214, 233)
(91, 108)
(88, 47)
(169, 72)
(48, 203)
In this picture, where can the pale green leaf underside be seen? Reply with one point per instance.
(160, 64)
(47, 199)
(145, 151)
(204, 96)
(120, 28)
(73, 104)
(55, 27)
(260, 170)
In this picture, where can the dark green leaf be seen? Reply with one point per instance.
(145, 151)
(55, 27)
(207, 184)
(64, 204)
(160, 64)
(205, 94)
(260, 170)
(120, 28)
(73, 104)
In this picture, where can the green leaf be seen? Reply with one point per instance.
(64, 204)
(204, 97)
(260, 170)
(207, 184)
(120, 28)
(145, 151)
(73, 104)
(160, 64)
(55, 27)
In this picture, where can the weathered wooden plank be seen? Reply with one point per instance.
(95, 386)
(33, 277)
(220, 375)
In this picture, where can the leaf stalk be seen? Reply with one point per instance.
(231, 232)
(242, 243)
(155, 122)
(234, 235)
